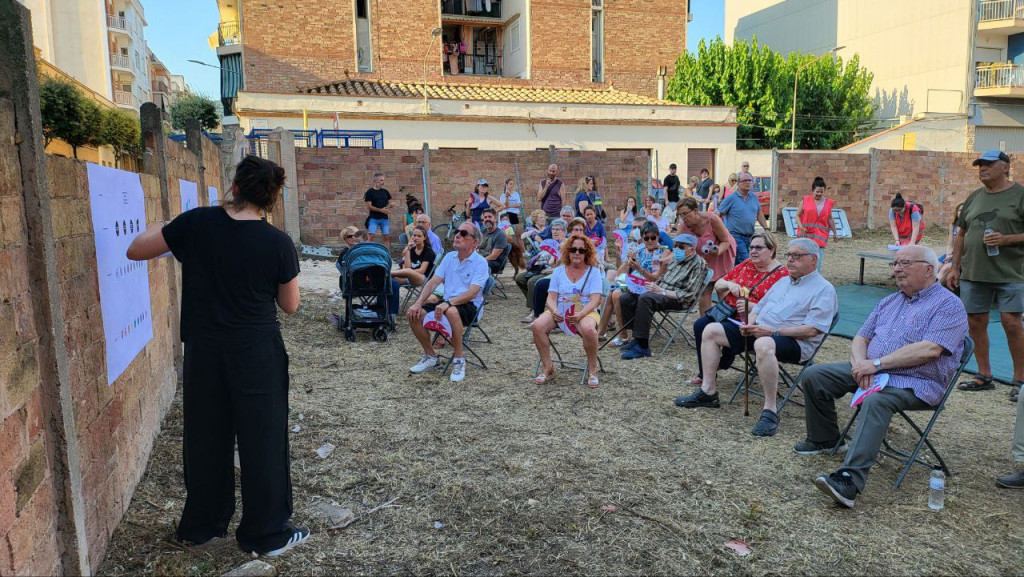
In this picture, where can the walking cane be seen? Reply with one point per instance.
(746, 354)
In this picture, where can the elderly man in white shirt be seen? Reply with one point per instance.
(785, 326)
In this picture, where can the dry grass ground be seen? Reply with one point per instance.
(518, 475)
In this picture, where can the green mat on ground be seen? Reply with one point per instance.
(857, 301)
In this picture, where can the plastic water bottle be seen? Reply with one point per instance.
(992, 250)
(937, 487)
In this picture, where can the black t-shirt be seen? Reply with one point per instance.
(416, 260)
(671, 183)
(378, 199)
(230, 272)
(704, 188)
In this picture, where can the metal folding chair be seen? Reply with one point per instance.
(466, 339)
(413, 291)
(499, 287)
(678, 328)
(908, 459)
(792, 383)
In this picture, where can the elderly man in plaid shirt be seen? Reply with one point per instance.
(915, 338)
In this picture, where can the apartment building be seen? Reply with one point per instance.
(487, 74)
(129, 55)
(165, 87)
(954, 66)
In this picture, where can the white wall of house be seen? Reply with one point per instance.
(942, 134)
(516, 59)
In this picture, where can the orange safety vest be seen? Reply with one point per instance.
(815, 224)
(905, 224)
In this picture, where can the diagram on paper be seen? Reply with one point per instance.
(189, 195)
(118, 215)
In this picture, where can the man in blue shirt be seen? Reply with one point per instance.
(740, 211)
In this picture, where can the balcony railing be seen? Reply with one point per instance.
(482, 8)
(122, 98)
(161, 99)
(999, 76)
(120, 61)
(474, 63)
(229, 34)
(117, 23)
(990, 10)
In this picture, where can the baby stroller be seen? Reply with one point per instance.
(365, 286)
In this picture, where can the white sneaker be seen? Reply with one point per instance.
(426, 362)
(458, 370)
(299, 536)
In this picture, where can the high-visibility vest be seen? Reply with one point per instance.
(905, 224)
(815, 224)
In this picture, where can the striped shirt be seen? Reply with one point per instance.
(686, 278)
(933, 314)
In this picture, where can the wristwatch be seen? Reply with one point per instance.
(775, 333)
(877, 362)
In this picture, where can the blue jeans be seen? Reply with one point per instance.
(742, 246)
(381, 225)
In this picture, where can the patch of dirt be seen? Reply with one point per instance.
(496, 475)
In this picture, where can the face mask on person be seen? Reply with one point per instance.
(678, 254)
(634, 234)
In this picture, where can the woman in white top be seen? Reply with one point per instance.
(512, 202)
(573, 297)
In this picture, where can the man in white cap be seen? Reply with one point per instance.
(677, 289)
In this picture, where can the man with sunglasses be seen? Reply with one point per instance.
(464, 273)
(786, 325)
(740, 211)
(911, 342)
(677, 289)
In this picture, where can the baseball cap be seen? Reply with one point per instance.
(686, 239)
(482, 182)
(990, 156)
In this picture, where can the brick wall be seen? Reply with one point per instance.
(28, 509)
(331, 181)
(306, 43)
(937, 180)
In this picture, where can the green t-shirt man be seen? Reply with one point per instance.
(1003, 212)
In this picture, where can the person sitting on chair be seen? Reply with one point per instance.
(494, 247)
(642, 261)
(678, 289)
(352, 236)
(785, 326)
(464, 274)
(573, 297)
(422, 219)
(914, 338)
(418, 258)
(541, 266)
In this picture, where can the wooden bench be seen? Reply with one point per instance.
(885, 255)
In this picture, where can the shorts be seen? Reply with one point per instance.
(787, 350)
(381, 225)
(978, 297)
(467, 312)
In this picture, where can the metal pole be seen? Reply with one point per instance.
(792, 131)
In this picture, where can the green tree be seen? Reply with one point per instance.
(834, 107)
(194, 107)
(58, 106)
(88, 130)
(121, 130)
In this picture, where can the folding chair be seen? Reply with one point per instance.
(679, 328)
(488, 287)
(908, 459)
(498, 285)
(556, 356)
(792, 383)
(413, 291)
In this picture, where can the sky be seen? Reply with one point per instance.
(178, 29)
(177, 32)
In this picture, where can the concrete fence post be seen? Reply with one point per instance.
(773, 203)
(194, 143)
(233, 148)
(425, 171)
(281, 149)
(872, 180)
(19, 83)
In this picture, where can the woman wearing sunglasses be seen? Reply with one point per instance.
(642, 261)
(573, 297)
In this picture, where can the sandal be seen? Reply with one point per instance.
(696, 381)
(543, 376)
(593, 381)
(978, 383)
(1015, 393)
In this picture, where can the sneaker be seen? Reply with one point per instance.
(697, 399)
(458, 370)
(808, 447)
(839, 486)
(528, 319)
(629, 345)
(767, 425)
(635, 352)
(426, 362)
(299, 536)
(1011, 481)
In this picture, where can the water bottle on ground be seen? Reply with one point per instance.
(992, 250)
(937, 487)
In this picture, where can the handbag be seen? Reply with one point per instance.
(723, 310)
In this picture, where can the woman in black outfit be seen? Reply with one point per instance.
(236, 271)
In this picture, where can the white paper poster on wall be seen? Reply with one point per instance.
(189, 195)
(214, 196)
(118, 215)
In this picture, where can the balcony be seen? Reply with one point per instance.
(1001, 17)
(471, 10)
(126, 100)
(999, 80)
(118, 24)
(121, 62)
(474, 64)
(229, 34)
